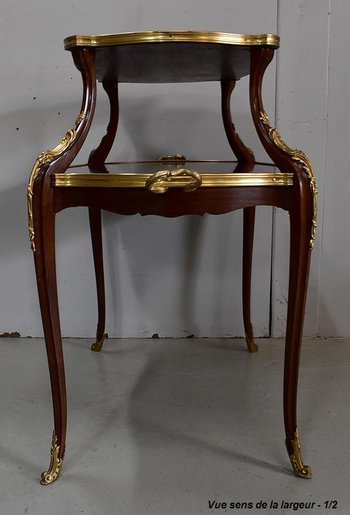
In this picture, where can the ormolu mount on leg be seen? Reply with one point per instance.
(52, 473)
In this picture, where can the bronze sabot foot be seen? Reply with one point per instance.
(296, 459)
(252, 346)
(50, 475)
(98, 344)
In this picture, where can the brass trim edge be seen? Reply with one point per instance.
(50, 475)
(296, 459)
(43, 159)
(296, 155)
(174, 36)
(138, 180)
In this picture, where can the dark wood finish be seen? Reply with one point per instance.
(97, 249)
(44, 241)
(130, 201)
(301, 215)
(246, 161)
(244, 155)
(98, 157)
(170, 63)
(96, 163)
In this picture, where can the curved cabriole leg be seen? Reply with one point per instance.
(248, 237)
(246, 160)
(44, 256)
(244, 155)
(299, 270)
(96, 164)
(96, 239)
(41, 225)
(303, 213)
(99, 155)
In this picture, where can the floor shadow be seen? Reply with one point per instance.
(191, 401)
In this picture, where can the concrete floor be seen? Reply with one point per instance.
(169, 426)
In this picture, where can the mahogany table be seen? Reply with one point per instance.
(171, 186)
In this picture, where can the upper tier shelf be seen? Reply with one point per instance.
(172, 56)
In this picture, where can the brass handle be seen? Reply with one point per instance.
(161, 181)
(174, 157)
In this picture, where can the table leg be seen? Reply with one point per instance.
(99, 155)
(96, 164)
(248, 237)
(41, 225)
(246, 160)
(303, 211)
(44, 257)
(96, 239)
(298, 278)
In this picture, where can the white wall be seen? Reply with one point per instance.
(173, 277)
(313, 113)
(302, 94)
(334, 278)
